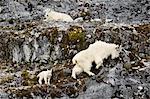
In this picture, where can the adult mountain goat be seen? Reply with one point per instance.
(56, 16)
(96, 52)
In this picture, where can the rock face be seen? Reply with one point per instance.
(119, 11)
(41, 44)
(97, 90)
(29, 45)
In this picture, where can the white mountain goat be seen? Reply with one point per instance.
(46, 75)
(56, 16)
(76, 71)
(96, 52)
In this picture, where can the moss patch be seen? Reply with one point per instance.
(145, 28)
(51, 33)
(28, 79)
(76, 36)
(6, 79)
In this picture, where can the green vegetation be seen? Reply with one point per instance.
(28, 79)
(76, 35)
(6, 79)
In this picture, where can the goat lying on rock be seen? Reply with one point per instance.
(57, 16)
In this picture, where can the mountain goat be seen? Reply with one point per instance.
(96, 52)
(46, 75)
(56, 16)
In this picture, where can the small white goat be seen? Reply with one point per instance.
(46, 75)
(56, 16)
(96, 52)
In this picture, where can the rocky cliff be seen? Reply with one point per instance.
(29, 45)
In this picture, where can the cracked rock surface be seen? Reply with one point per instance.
(28, 45)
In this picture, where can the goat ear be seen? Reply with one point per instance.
(51, 70)
(117, 47)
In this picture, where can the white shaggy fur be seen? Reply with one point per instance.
(57, 16)
(76, 71)
(96, 52)
(46, 75)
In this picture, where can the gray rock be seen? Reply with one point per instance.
(97, 91)
(3, 95)
(36, 48)
(17, 55)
